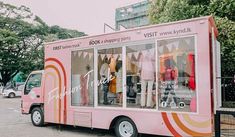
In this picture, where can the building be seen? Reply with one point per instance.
(131, 16)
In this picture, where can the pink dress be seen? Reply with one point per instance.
(84, 90)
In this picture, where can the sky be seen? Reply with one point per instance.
(87, 16)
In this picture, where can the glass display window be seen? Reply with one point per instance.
(137, 75)
(176, 74)
(110, 79)
(82, 88)
(140, 76)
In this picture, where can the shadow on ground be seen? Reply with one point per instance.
(98, 132)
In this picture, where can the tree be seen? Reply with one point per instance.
(19, 43)
(223, 11)
(21, 38)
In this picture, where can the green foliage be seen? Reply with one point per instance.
(173, 10)
(201, 2)
(21, 38)
(63, 33)
(226, 30)
(20, 44)
(223, 8)
(224, 12)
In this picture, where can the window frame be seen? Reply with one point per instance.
(126, 44)
(81, 49)
(96, 75)
(25, 87)
(196, 72)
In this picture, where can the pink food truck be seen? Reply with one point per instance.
(158, 79)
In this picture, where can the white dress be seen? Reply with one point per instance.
(119, 81)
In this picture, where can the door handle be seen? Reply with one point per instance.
(38, 96)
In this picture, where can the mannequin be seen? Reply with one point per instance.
(147, 71)
(105, 74)
(84, 88)
(170, 79)
(119, 81)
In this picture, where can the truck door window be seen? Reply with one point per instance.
(33, 81)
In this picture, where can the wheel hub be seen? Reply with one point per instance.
(126, 129)
(36, 117)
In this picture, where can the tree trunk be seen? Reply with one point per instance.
(5, 78)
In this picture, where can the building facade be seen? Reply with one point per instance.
(131, 16)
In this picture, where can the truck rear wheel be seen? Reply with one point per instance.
(125, 127)
(37, 117)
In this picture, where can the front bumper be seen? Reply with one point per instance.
(23, 112)
(4, 94)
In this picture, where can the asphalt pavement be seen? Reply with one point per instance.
(14, 124)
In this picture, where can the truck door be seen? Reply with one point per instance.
(32, 92)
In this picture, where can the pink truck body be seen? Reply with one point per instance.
(57, 77)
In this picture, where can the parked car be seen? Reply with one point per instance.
(1, 88)
(12, 92)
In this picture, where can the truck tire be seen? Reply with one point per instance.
(37, 117)
(125, 127)
(11, 95)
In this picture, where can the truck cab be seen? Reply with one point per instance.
(32, 97)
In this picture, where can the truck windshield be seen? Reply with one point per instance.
(33, 81)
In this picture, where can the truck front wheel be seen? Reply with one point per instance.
(37, 117)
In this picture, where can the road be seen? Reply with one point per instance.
(14, 124)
